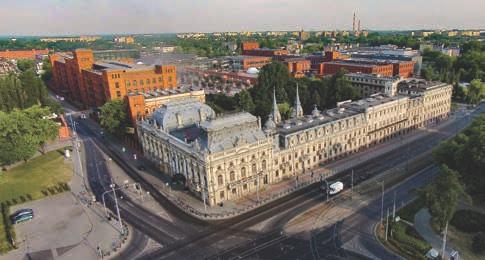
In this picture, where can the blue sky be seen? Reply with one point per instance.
(64, 17)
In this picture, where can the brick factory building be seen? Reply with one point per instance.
(298, 67)
(91, 84)
(22, 54)
(249, 46)
(243, 62)
(355, 66)
(253, 49)
(265, 52)
(403, 68)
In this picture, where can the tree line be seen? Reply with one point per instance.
(24, 103)
(468, 67)
(324, 93)
(462, 162)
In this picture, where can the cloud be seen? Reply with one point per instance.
(63, 17)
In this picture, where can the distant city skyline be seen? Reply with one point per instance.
(69, 17)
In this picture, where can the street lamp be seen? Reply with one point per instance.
(382, 201)
(113, 189)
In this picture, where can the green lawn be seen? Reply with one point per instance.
(35, 179)
(34, 176)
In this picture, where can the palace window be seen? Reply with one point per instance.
(232, 176)
(263, 164)
(243, 172)
(221, 194)
(220, 181)
(253, 168)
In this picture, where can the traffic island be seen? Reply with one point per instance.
(402, 238)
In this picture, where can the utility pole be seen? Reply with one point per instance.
(203, 198)
(394, 207)
(257, 187)
(382, 202)
(443, 249)
(117, 208)
(352, 184)
(387, 223)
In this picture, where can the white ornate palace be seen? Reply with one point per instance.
(225, 157)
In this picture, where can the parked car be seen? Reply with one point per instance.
(22, 216)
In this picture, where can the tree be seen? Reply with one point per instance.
(273, 75)
(465, 153)
(441, 197)
(25, 64)
(23, 131)
(245, 101)
(113, 116)
(476, 91)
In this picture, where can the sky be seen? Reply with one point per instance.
(76, 17)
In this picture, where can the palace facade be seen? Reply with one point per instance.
(226, 157)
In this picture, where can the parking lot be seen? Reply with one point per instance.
(59, 224)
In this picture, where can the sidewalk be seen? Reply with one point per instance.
(196, 207)
(104, 234)
(422, 225)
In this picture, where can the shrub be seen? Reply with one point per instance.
(478, 244)
(405, 235)
(468, 221)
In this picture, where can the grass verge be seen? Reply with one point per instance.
(403, 239)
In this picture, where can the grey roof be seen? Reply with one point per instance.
(345, 109)
(228, 121)
(183, 113)
(115, 65)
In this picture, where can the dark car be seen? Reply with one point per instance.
(21, 212)
(22, 215)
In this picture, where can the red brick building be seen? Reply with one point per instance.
(91, 84)
(297, 66)
(22, 54)
(403, 68)
(332, 67)
(246, 46)
(245, 62)
(252, 49)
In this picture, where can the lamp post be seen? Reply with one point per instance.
(382, 201)
(113, 189)
(117, 208)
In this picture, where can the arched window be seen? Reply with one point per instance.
(253, 168)
(232, 176)
(220, 181)
(263, 165)
(243, 172)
